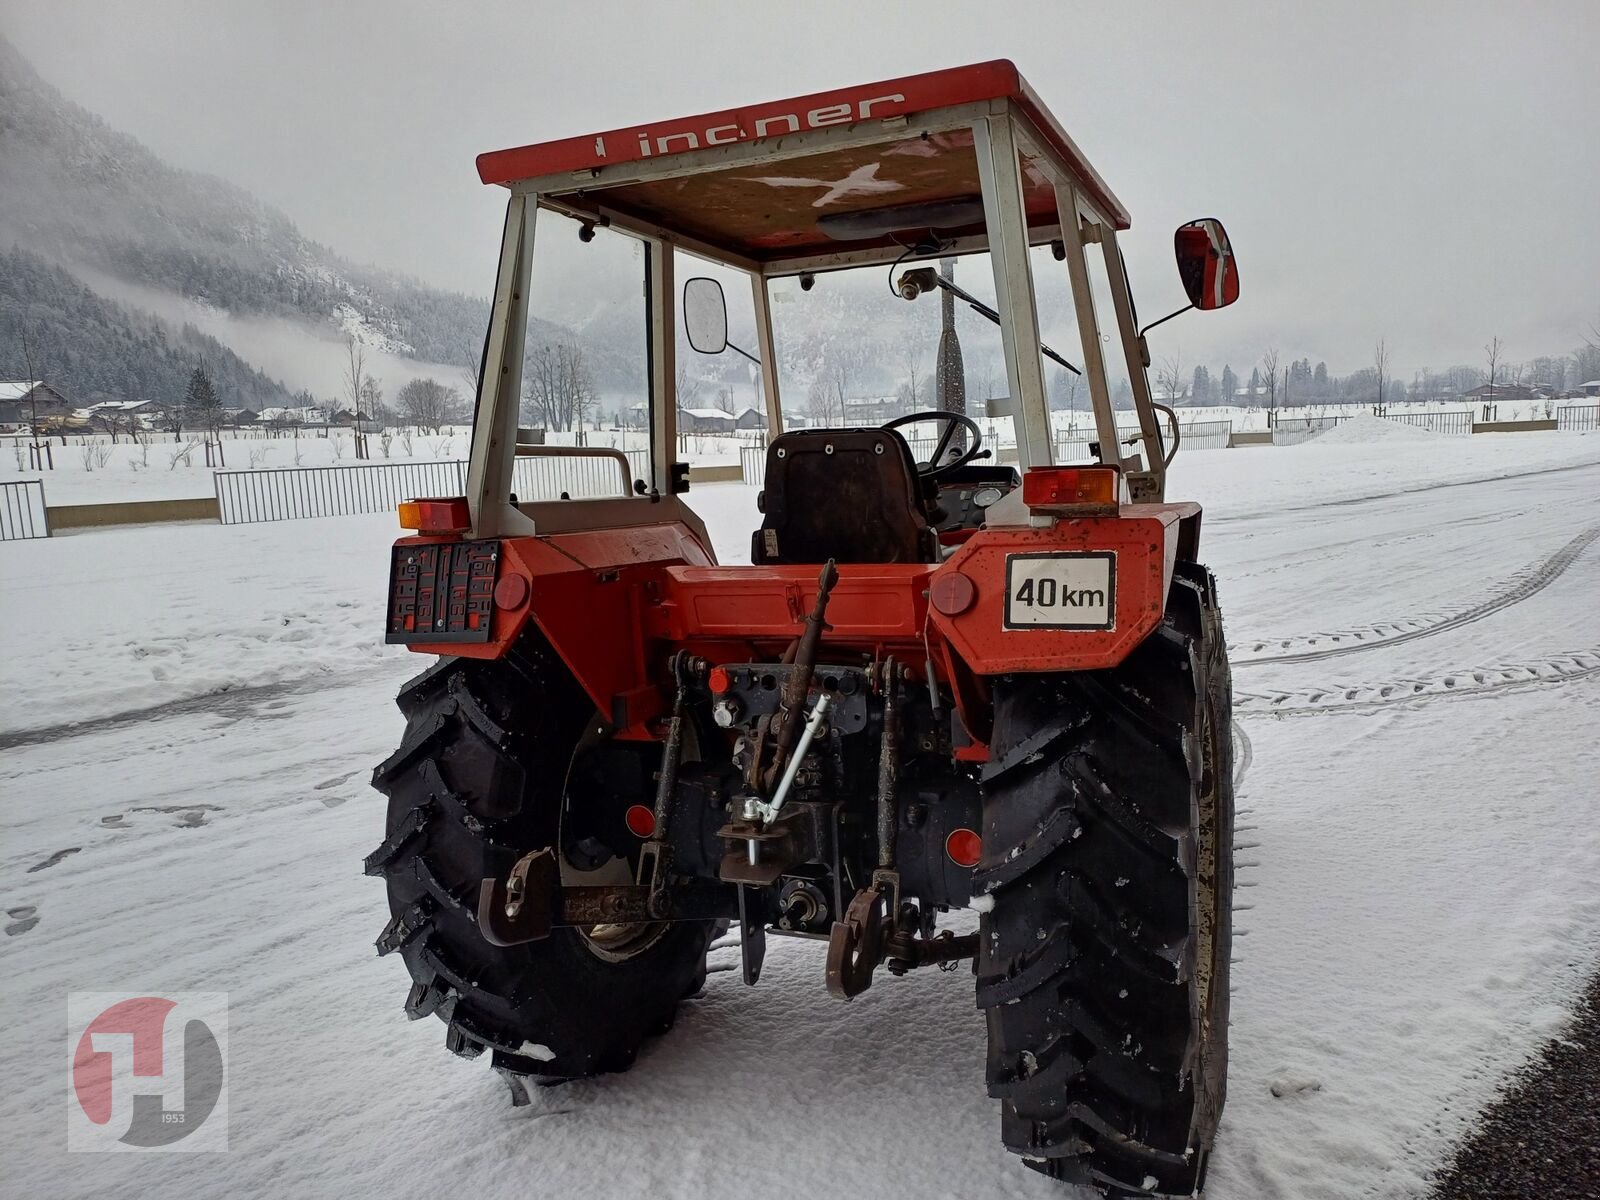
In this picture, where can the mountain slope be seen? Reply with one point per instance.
(78, 191)
(92, 348)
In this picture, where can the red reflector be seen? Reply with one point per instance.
(964, 847)
(640, 820)
(1047, 487)
(719, 680)
(436, 516)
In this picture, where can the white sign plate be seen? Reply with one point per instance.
(1061, 590)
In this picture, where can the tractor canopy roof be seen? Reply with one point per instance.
(783, 183)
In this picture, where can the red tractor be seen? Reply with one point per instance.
(969, 677)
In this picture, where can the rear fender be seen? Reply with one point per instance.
(968, 596)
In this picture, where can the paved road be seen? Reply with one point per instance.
(1541, 1139)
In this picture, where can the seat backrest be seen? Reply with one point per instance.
(851, 495)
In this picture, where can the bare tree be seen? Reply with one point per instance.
(725, 400)
(1169, 377)
(823, 403)
(356, 385)
(911, 391)
(1380, 369)
(472, 364)
(557, 390)
(1269, 367)
(688, 387)
(39, 448)
(1493, 352)
(426, 403)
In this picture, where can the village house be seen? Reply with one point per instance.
(705, 420)
(1509, 392)
(124, 416)
(21, 401)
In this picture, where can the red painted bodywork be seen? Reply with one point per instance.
(616, 603)
(908, 95)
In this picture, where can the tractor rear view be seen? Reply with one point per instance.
(956, 674)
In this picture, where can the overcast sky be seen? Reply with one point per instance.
(1426, 172)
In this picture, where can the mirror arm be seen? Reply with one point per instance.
(746, 353)
(1164, 320)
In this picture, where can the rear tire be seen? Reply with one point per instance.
(1108, 851)
(478, 781)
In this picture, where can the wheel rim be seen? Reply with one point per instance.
(621, 941)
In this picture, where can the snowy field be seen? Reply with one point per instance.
(91, 469)
(192, 713)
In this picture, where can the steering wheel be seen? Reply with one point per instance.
(933, 469)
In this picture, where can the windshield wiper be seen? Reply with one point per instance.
(924, 279)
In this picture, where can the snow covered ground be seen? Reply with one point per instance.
(91, 469)
(1417, 670)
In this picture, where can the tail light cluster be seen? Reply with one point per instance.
(436, 516)
(1071, 490)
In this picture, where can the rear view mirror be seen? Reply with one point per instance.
(1206, 264)
(705, 315)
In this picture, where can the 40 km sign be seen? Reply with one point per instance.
(1062, 590)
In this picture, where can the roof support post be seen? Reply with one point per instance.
(662, 297)
(1151, 483)
(1094, 362)
(1000, 178)
(768, 355)
(494, 426)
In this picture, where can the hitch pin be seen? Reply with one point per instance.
(769, 812)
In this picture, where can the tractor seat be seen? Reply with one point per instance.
(851, 495)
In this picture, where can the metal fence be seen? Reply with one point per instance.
(294, 493)
(1072, 445)
(1579, 418)
(1291, 431)
(1204, 435)
(22, 511)
(1455, 423)
(753, 464)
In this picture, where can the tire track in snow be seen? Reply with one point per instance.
(233, 702)
(1527, 582)
(1349, 501)
(1546, 672)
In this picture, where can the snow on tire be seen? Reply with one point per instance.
(478, 780)
(1103, 968)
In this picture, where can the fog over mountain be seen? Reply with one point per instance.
(199, 259)
(1367, 168)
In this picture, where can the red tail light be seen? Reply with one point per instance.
(640, 820)
(964, 847)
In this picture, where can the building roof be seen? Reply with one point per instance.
(707, 414)
(15, 389)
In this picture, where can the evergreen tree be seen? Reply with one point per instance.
(201, 403)
(1230, 385)
(1200, 392)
